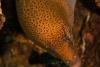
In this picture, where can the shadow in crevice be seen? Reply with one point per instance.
(90, 5)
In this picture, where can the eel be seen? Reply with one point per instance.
(49, 23)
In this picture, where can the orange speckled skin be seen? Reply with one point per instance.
(49, 24)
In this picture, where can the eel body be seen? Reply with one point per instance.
(49, 24)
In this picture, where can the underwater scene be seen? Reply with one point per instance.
(49, 33)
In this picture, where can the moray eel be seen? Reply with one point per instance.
(49, 24)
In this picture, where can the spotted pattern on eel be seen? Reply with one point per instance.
(49, 24)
